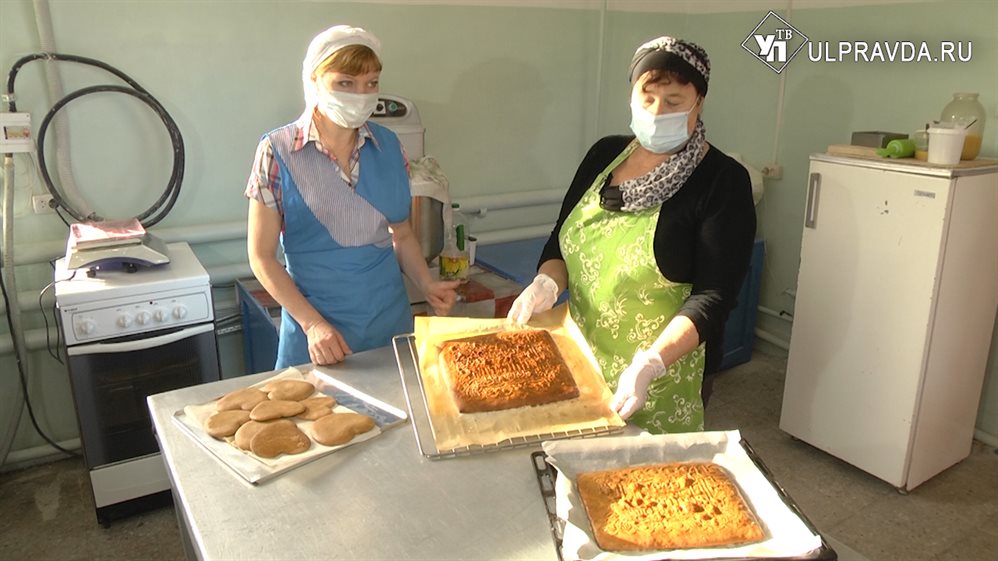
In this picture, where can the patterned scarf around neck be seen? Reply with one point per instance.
(660, 184)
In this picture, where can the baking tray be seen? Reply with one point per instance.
(254, 471)
(419, 412)
(546, 474)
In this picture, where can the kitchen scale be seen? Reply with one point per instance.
(122, 244)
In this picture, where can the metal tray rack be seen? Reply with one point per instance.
(419, 412)
(546, 474)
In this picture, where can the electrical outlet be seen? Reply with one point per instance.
(42, 204)
(772, 171)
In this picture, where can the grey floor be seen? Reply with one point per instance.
(46, 512)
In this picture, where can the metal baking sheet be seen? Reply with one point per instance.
(255, 471)
(547, 476)
(416, 402)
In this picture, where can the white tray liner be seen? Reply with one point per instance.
(787, 535)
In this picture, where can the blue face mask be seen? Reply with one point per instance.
(660, 133)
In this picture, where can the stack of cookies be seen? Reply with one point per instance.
(262, 420)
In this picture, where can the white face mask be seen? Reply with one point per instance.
(348, 110)
(660, 133)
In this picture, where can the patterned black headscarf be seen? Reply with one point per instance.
(669, 53)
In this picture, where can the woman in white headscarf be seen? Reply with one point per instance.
(333, 189)
(653, 243)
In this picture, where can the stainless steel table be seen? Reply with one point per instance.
(377, 500)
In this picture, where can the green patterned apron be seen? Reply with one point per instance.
(621, 302)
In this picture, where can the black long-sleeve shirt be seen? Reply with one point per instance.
(704, 235)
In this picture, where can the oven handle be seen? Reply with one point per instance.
(140, 344)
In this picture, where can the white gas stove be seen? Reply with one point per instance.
(130, 335)
(116, 302)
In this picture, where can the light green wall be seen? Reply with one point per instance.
(228, 71)
(503, 92)
(507, 96)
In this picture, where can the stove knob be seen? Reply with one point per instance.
(180, 312)
(86, 326)
(160, 315)
(142, 317)
(124, 320)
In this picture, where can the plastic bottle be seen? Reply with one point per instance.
(921, 140)
(898, 148)
(454, 257)
(965, 110)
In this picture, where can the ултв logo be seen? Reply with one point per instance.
(775, 42)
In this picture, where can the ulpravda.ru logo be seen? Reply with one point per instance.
(775, 42)
(890, 51)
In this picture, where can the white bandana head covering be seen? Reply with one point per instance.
(327, 43)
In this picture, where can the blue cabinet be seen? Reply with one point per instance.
(739, 331)
(261, 318)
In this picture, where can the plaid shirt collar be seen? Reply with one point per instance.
(306, 131)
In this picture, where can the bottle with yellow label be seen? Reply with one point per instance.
(454, 259)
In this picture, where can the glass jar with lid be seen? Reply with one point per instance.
(966, 110)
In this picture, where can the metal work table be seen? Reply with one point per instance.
(377, 500)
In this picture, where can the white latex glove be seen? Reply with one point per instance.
(632, 387)
(539, 296)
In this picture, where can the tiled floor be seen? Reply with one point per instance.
(46, 512)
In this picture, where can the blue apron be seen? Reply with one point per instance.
(337, 245)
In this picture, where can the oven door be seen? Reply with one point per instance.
(112, 379)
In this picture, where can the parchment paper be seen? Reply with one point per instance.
(787, 535)
(452, 429)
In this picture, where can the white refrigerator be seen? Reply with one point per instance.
(896, 299)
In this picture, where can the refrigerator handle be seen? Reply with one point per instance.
(811, 210)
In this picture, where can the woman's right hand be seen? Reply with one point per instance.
(539, 296)
(326, 345)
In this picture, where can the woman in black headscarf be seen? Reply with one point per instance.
(653, 242)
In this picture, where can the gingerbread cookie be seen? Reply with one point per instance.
(320, 399)
(245, 399)
(290, 390)
(340, 428)
(317, 407)
(268, 410)
(226, 423)
(245, 434)
(279, 438)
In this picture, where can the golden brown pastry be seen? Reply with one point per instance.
(225, 423)
(244, 436)
(321, 400)
(289, 390)
(316, 407)
(666, 506)
(268, 410)
(314, 411)
(340, 428)
(506, 370)
(245, 399)
(279, 438)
